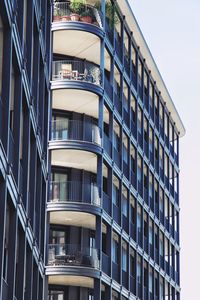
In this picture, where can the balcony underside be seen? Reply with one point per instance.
(82, 44)
(72, 158)
(73, 218)
(71, 280)
(80, 101)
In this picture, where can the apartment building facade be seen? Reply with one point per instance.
(113, 205)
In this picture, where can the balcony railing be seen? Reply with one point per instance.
(63, 11)
(66, 129)
(73, 255)
(74, 191)
(76, 70)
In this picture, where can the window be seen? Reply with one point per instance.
(171, 135)
(145, 177)
(133, 211)
(146, 83)
(116, 136)
(1, 52)
(156, 148)
(6, 243)
(166, 166)
(115, 295)
(125, 96)
(133, 159)
(115, 248)
(125, 148)
(139, 120)
(56, 295)
(151, 280)
(156, 104)
(151, 93)
(139, 269)
(166, 125)
(150, 185)
(12, 96)
(161, 154)
(139, 218)
(156, 238)
(104, 238)
(161, 114)
(60, 187)
(132, 262)
(117, 82)
(161, 244)
(150, 140)
(166, 250)
(133, 58)
(139, 169)
(161, 288)
(133, 108)
(124, 201)
(116, 194)
(140, 71)
(150, 232)
(146, 138)
(124, 256)
(145, 226)
(60, 127)
(145, 274)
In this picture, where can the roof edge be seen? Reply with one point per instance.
(125, 7)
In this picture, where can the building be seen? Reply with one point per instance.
(113, 206)
(96, 216)
(24, 111)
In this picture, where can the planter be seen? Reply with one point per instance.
(75, 17)
(56, 18)
(66, 18)
(86, 19)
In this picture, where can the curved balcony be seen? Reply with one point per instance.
(74, 203)
(75, 130)
(73, 255)
(72, 265)
(75, 192)
(75, 144)
(81, 27)
(77, 80)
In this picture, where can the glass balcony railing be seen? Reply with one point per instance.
(65, 129)
(73, 255)
(76, 70)
(77, 12)
(74, 191)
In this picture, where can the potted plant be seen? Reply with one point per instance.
(76, 7)
(111, 12)
(66, 15)
(87, 16)
(56, 14)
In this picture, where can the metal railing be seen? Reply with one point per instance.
(65, 129)
(73, 255)
(85, 13)
(74, 191)
(76, 70)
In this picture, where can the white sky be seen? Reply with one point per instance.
(172, 31)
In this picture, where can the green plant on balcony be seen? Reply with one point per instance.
(56, 13)
(111, 12)
(76, 7)
(87, 16)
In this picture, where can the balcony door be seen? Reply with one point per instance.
(60, 128)
(60, 187)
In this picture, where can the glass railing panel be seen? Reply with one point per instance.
(78, 12)
(73, 255)
(76, 70)
(74, 191)
(65, 129)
